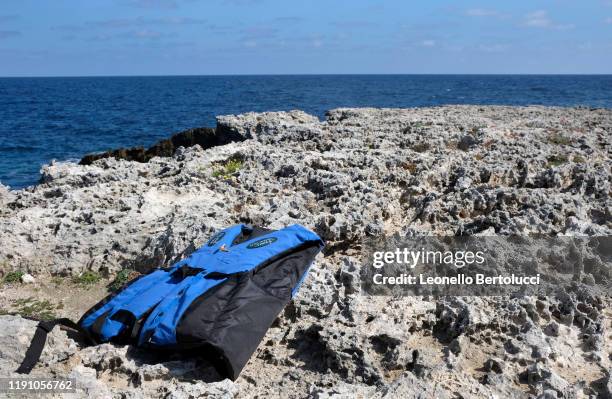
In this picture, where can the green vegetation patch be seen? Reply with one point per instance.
(228, 168)
(13, 277)
(34, 308)
(122, 278)
(87, 278)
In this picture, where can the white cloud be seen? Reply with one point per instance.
(355, 24)
(538, 19)
(135, 23)
(428, 43)
(486, 13)
(541, 19)
(140, 34)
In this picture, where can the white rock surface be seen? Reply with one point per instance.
(361, 172)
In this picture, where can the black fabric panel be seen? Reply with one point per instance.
(281, 274)
(128, 319)
(247, 234)
(185, 271)
(234, 317)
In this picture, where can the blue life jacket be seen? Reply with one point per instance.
(218, 302)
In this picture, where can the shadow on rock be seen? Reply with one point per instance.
(140, 365)
(310, 350)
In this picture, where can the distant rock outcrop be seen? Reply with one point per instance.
(205, 137)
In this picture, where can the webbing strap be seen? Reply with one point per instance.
(40, 337)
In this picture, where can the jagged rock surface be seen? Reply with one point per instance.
(361, 172)
(202, 136)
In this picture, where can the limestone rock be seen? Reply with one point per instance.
(475, 170)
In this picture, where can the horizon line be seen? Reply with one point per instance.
(301, 74)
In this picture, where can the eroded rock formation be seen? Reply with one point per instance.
(361, 172)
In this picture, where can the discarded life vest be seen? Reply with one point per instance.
(219, 302)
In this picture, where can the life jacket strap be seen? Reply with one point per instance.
(37, 345)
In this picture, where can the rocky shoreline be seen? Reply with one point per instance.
(455, 170)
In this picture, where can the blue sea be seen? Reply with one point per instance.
(64, 118)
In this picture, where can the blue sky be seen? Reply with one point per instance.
(175, 37)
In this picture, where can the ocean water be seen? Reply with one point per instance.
(64, 118)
